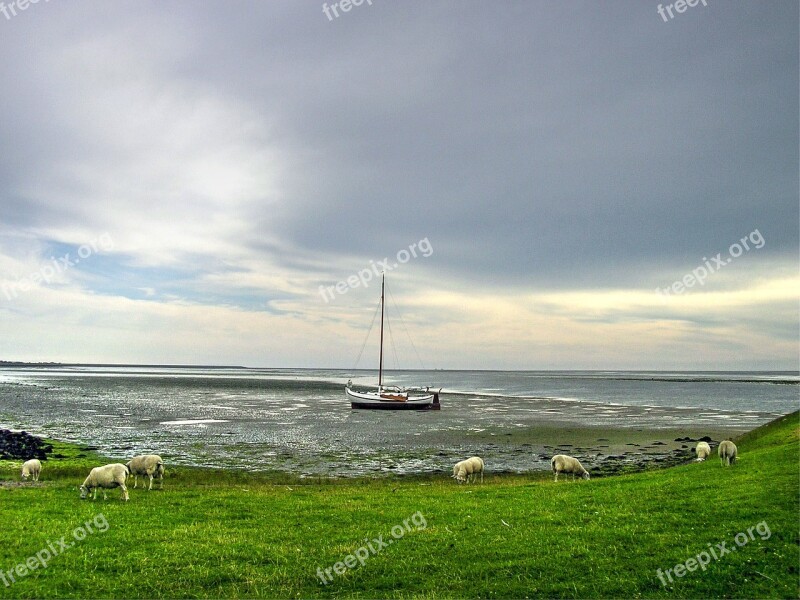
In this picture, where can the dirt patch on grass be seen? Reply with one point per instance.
(10, 484)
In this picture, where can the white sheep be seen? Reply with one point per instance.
(561, 463)
(727, 452)
(147, 465)
(31, 468)
(468, 469)
(106, 477)
(703, 451)
(478, 466)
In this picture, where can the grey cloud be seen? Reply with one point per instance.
(566, 144)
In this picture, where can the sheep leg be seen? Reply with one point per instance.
(134, 481)
(125, 493)
(556, 472)
(151, 483)
(481, 476)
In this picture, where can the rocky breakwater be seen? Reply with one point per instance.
(22, 445)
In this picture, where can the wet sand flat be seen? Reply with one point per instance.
(307, 428)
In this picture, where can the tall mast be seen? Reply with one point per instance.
(380, 363)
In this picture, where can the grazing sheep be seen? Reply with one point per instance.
(147, 465)
(31, 468)
(469, 468)
(106, 477)
(477, 467)
(460, 473)
(727, 452)
(703, 451)
(561, 463)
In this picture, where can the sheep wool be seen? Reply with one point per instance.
(703, 451)
(727, 453)
(147, 465)
(106, 477)
(561, 463)
(31, 468)
(468, 469)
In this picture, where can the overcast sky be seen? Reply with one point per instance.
(187, 182)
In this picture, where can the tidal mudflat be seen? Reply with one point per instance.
(299, 421)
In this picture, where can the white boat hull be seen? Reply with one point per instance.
(392, 400)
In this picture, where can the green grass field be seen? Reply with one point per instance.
(228, 534)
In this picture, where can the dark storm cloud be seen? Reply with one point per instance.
(563, 144)
(572, 144)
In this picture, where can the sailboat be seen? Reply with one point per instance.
(391, 397)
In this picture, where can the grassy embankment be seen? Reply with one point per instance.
(228, 534)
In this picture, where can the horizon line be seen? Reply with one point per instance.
(11, 363)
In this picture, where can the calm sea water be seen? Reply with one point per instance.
(299, 420)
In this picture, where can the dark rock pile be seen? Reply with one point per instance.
(22, 445)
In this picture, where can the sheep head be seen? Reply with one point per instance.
(84, 492)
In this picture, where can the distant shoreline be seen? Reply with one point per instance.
(611, 373)
(7, 363)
